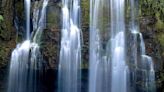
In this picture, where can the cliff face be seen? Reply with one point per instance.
(152, 28)
(7, 39)
(7, 32)
(151, 25)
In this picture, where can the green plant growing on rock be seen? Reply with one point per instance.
(154, 8)
(159, 24)
(85, 12)
(1, 18)
(161, 39)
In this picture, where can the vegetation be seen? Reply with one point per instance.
(85, 12)
(1, 18)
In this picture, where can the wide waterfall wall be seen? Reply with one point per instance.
(118, 62)
(70, 51)
(26, 60)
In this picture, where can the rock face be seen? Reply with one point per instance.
(7, 33)
(152, 28)
(153, 48)
(51, 36)
(7, 39)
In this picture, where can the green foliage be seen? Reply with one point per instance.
(85, 12)
(160, 38)
(52, 19)
(152, 7)
(3, 55)
(1, 18)
(159, 24)
(155, 8)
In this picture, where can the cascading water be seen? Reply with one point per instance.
(107, 61)
(99, 68)
(70, 51)
(144, 67)
(18, 65)
(40, 24)
(110, 66)
(19, 59)
(26, 59)
(118, 49)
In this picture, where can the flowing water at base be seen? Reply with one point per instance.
(70, 52)
(27, 63)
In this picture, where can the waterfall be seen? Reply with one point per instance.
(27, 11)
(119, 66)
(99, 65)
(144, 67)
(70, 52)
(118, 58)
(40, 24)
(108, 69)
(26, 60)
(18, 71)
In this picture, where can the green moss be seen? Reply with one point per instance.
(152, 7)
(160, 38)
(159, 24)
(3, 55)
(85, 12)
(53, 17)
(1, 18)
(19, 7)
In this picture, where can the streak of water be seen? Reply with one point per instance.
(26, 60)
(70, 52)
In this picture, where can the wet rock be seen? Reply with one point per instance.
(50, 48)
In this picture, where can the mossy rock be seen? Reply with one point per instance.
(53, 17)
(159, 24)
(85, 12)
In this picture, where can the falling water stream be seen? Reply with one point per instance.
(26, 59)
(109, 69)
(27, 5)
(99, 67)
(70, 51)
(110, 58)
(118, 49)
(144, 68)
